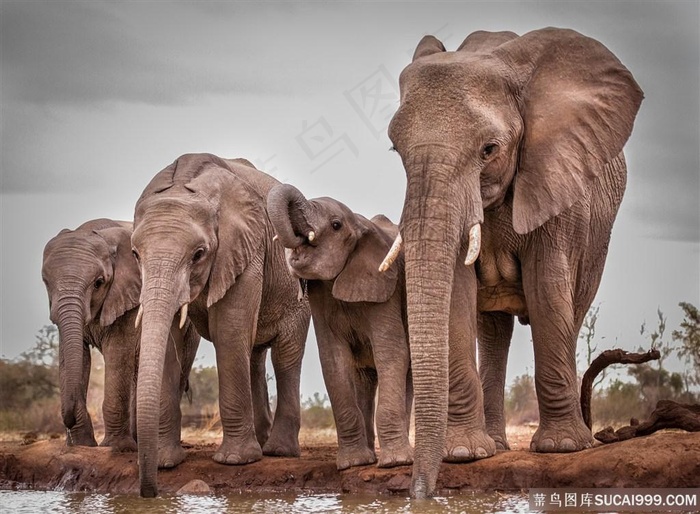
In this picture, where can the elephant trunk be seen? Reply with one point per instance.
(159, 308)
(290, 214)
(69, 315)
(435, 214)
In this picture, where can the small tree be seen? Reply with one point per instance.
(689, 338)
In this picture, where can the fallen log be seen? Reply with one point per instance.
(668, 414)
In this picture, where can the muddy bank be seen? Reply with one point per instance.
(668, 459)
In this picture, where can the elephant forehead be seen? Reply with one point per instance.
(164, 208)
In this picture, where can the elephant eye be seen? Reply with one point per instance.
(489, 150)
(337, 225)
(135, 254)
(198, 255)
(99, 282)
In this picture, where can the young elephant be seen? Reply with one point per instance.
(359, 319)
(93, 284)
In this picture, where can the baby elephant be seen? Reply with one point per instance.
(359, 317)
(93, 284)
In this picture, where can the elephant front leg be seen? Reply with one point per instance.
(233, 322)
(120, 358)
(391, 357)
(549, 292)
(495, 332)
(467, 439)
(338, 366)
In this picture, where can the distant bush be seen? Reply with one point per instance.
(521, 401)
(316, 412)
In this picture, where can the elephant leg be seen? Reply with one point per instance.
(233, 323)
(116, 407)
(262, 414)
(467, 439)
(366, 392)
(338, 367)
(495, 332)
(179, 357)
(287, 352)
(391, 358)
(548, 283)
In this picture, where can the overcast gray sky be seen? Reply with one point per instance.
(97, 97)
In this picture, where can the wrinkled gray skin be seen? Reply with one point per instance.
(359, 319)
(203, 240)
(93, 284)
(522, 134)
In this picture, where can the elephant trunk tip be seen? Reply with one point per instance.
(149, 491)
(69, 420)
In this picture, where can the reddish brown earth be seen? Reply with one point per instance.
(665, 459)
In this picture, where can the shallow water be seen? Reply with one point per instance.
(56, 502)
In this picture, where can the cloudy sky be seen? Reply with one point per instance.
(97, 97)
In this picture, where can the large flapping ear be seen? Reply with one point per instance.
(123, 294)
(427, 46)
(361, 280)
(483, 41)
(242, 225)
(578, 104)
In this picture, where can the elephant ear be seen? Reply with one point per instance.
(429, 45)
(242, 225)
(578, 103)
(361, 280)
(123, 294)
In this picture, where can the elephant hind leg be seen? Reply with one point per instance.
(262, 415)
(495, 332)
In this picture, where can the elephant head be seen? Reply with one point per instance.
(90, 277)
(197, 225)
(327, 241)
(528, 120)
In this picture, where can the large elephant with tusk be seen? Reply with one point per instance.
(522, 136)
(205, 249)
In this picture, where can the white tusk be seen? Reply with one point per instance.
(275, 238)
(393, 253)
(311, 236)
(183, 315)
(139, 315)
(474, 245)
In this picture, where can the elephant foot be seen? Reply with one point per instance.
(561, 437)
(463, 445)
(501, 441)
(284, 446)
(237, 452)
(78, 437)
(170, 456)
(395, 456)
(354, 456)
(120, 443)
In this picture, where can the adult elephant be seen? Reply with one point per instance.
(359, 317)
(204, 245)
(93, 284)
(522, 136)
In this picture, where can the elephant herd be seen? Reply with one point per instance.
(512, 147)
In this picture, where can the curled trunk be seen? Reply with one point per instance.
(290, 214)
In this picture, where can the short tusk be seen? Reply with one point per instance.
(474, 245)
(393, 253)
(183, 315)
(139, 315)
(275, 237)
(311, 236)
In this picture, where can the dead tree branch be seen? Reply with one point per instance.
(601, 362)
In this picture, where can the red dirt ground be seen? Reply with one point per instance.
(665, 459)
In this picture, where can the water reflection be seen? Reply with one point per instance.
(56, 502)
